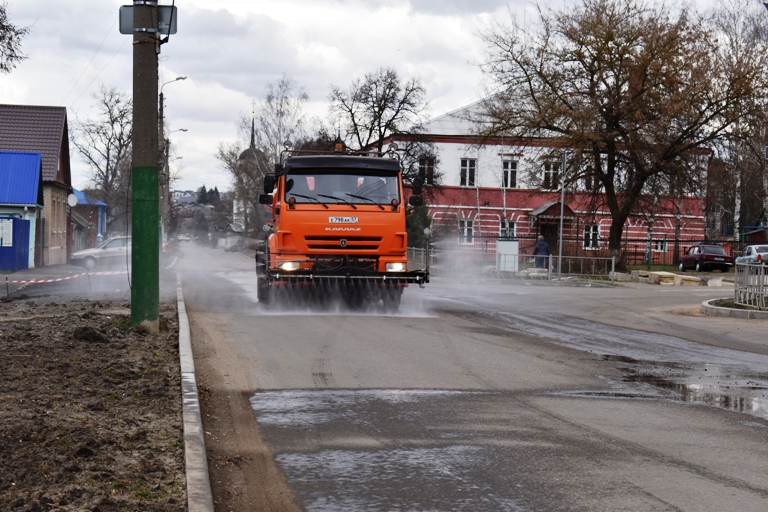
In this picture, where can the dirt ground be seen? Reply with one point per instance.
(90, 409)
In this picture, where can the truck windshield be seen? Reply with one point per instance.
(357, 187)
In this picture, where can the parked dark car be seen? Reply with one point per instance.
(703, 257)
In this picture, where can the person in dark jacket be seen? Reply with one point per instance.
(541, 251)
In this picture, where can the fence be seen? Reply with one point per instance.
(751, 285)
(658, 250)
(482, 260)
(417, 259)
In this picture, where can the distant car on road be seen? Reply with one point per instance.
(184, 238)
(754, 254)
(703, 257)
(116, 250)
(232, 246)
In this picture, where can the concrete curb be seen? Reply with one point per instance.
(708, 309)
(199, 497)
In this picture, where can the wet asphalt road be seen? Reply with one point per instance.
(502, 396)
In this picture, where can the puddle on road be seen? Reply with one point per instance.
(310, 408)
(654, 365)
(717, 386)
(386, 449)
(729, 387)
(399, 479)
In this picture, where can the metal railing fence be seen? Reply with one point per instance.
(460, 262)
(751, 285)
(658, 250)
(417, 259)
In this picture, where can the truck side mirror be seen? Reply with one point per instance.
(269, 184)
(265, 199)
(416, 201)
(418, 183)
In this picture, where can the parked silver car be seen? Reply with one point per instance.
(754, 254)
(115, 251)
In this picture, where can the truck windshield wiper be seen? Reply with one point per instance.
(339, 199)
(366, 199)
(312, 198)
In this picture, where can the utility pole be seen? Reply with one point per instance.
(162, 160)
(145, 232)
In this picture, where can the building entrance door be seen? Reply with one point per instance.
(551, 232)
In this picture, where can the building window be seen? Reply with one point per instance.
(427, 169)
(465, 232)
(467, 178)
(508, 174)
(507, 229)
(660, 245)
(551, 179)
(591, 236)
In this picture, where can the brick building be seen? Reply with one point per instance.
(499, 189)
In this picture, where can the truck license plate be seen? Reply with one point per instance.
(342, 220)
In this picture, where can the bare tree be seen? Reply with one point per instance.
(632, 89)
(247, 168)
(105, 145)
(10, 41)
(277, 118)
(379, 106)
(742, 29)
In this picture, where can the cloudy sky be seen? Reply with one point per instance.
(230, 50)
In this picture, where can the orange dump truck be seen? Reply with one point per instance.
(337, 225)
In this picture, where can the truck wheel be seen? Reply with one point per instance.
(262, 291)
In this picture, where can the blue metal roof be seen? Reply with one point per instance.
(21, 178)
(85, 199)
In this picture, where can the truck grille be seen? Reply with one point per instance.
(353, 243)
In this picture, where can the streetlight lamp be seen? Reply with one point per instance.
(162, 102)
(162, 158)
(165, 157)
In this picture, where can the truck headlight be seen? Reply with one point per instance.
(290, 266)
(395, 267)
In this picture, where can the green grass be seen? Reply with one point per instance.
(653, 268)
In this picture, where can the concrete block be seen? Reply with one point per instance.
(688, 281)
(662, 278)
